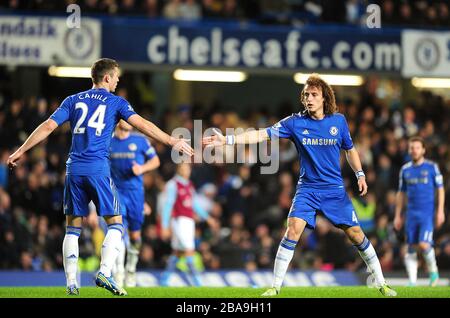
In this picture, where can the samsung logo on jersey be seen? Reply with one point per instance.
(123, 155)
(319, 141)
(93, 96)
(417, 180)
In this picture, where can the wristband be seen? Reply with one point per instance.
(230, 140)
(359, 174)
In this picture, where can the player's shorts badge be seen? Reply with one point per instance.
(132, 147)
(333, 131)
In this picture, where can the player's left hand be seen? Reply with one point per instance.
(137, 169)
(362, 186)
(440, 219)
(181, 145)
(147, 209)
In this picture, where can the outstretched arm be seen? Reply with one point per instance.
(355, 163)
(38, 135)
(248, 137)
(151, 130)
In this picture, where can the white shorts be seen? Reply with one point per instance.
(183, 233)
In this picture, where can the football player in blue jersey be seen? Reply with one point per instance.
(319, 133)
(93, 115)
(132, 155)
(418, 181)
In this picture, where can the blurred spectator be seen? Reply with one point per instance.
(190, 10)
(172, 9)
(365, 208)
(417, 13)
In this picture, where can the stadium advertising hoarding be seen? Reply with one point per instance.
(232, 46)
(426, 53)
(209, 278)
(40, 40)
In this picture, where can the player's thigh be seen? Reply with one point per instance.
(76, 198)
(134, 208)
(304, 206)
(103, 193)
(183, 233)
(412, 231)
(426, 229)
(338, 209)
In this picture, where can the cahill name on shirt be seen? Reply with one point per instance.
(93, 96)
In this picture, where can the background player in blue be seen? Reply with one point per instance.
(319, 133)
(131, 156)
(418, 181)
(93, 114)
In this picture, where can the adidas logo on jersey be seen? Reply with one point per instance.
(305, 132)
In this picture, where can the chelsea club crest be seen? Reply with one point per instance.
(132, 147)
(333, 131)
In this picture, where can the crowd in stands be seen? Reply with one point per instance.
(249, 208)
(417, 13)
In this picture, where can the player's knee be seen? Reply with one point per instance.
(424, 246)
(293, 232)
(355, 234)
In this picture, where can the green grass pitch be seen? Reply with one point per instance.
(225, 292)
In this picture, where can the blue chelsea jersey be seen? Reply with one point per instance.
(318, 143)
(134, 148)
(419, 182)
(93, 115)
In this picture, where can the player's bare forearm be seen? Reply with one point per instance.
(440, 200)
(355, 163)
(151, 164)
(353, 159)
(399, 200)
(252, 137)
(150, 129)
(39, 134)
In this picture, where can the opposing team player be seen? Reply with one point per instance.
(180, 207)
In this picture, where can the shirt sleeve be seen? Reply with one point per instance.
(282, 129)
(438, 179)
(347, 142)
(125, 109)
(171, 196)
(62, 113)
(149, 151)
(401, 181)
(199, 210)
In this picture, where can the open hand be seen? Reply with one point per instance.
(182, 146)
(215, 140)
(362, 186)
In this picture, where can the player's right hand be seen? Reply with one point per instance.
(165, 234)
(215, 140)
(12, 159)
(398, 223)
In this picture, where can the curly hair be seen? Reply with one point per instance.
(329, 103)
